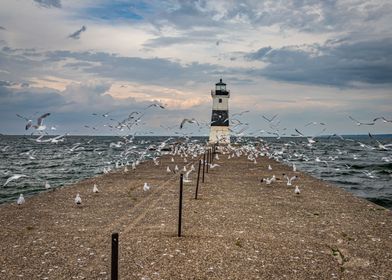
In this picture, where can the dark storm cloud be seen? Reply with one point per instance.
(337, 65)
(49, 3)
(147, 70)
(26, 103)
(76, 34)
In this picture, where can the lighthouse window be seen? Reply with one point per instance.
(220, 100)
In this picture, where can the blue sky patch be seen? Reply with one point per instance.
(118, 10)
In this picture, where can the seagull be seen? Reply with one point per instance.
(47, 185)
(290, 179)
(155, 105)
(40, 123)
(214, 165)
(383, 119)
(269, 167)
(125, 169)
(20, 200)
(380, 145)
(297, 191)
(186, 177)
(269, 119)
(360, 123)
(95, 189)
(240, 114)
(168, 170)
(78, 200)
(314, 123)
(29, 121)
(294, 167)
(14, 177)
(146, 187)
(176, 168)
(188, 121)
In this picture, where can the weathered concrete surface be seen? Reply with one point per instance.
(239, 228)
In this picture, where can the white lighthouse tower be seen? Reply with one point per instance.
(220, 133)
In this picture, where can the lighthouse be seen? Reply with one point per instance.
(219, 132)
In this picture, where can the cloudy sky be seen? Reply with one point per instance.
(305, 60)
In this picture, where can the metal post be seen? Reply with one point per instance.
(208, 159)
(180, 208)
(198, 177)
(114, 256)
(204, 166)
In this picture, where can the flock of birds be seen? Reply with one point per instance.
(193, 147)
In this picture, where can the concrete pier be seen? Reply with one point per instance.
(238, 228)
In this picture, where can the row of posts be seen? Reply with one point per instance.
(208, 158)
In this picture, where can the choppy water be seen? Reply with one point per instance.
(365, 171)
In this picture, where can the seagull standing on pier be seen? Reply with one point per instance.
(146, 187)
(95, 189)
(297, 191)
(78, 200)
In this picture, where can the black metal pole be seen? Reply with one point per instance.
(198, 178)
(114, 256)
(180, 208)
(208, 159)
(204, 166)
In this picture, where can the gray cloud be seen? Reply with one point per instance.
(337, 65)
(189, 37)
(49, 3)
(304, 15)
(155, 71)
(76, 34)
(6, 83)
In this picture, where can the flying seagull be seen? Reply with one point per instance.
(383, 119)
(14, 177)
(269, 119)
(76, 34)
(155, 105)
(360, 123)
(40, 122)
(188, 121)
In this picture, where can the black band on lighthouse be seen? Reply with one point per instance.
(220, 118)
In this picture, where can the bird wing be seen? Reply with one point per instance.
(41, 119)
(26, 119)
(354, 120)
(299, 132)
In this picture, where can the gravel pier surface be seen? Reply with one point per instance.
(238, 228)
